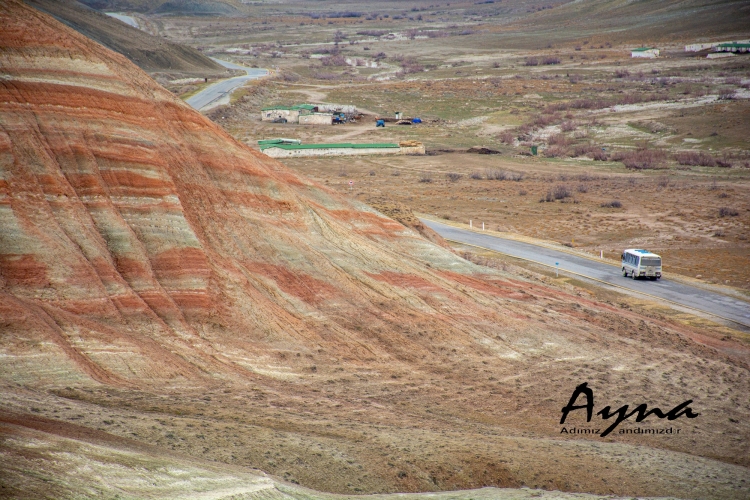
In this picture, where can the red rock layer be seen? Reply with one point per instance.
(124, 210)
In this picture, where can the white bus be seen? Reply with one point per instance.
(638, 263)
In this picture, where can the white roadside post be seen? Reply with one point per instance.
(471, 225)
(351, 183)
(556, 268)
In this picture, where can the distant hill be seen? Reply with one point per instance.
(150, 53)
(631, 21)
(181, 7)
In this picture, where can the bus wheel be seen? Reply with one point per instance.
(624, 272)
(634, 275)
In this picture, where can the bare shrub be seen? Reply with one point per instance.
(599, 155)
(642, 159)
(372, 172)
(728, 212)
(561, 191)
(582, 188)
(426, 177)
(476, 176)
(663, 181)
(337, 60)
(612, 204)
(531, 61)
(453, 176)
(724, 163)
(549, 60)
(695, 158)
(322, 75)
(726, 94)
(556, 152)
(558, 140)
(568, 126)
(515, 176)
(495, 175)
(342, 172)
(585, 150)
(723, 195)
(522, 192)
(507, 137)
(396, 173)
(622, 73)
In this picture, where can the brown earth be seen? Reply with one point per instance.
(162, 282)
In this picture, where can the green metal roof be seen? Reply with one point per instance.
(341, 145)
(735, 45)
(296, 107)
(643, 49)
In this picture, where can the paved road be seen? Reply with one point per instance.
(706, 301)
(126, 19)
(224, 87)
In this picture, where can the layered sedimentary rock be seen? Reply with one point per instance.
(154, 272)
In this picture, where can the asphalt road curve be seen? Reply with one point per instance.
(715, 304)
(224, 87)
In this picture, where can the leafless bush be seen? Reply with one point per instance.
(568, 126)
(549, 60)
(476, 176)
(728, 212)
(726, 94)
(733, 80)
(411, 65)
(289, 77)
(724, 163)
(342, 172)
(642, 159)
(695, 158)
(584, 150)
(372, 172)
(599, 155)
(426, 177)
(375, 33)
(515, 176)
(582, 188)
(495, 175)
(561, 191)
(337, 60)
(396, 173)
(558, 140)
(612, 204)
(663, 181)
(723, 195)
(556, 152)
(531, 61)
(453, 176)
(322, 75)
(507, 137)
(522, 192)
(575, 78)
(622, 73)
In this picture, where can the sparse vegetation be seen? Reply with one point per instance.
(728, 212)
